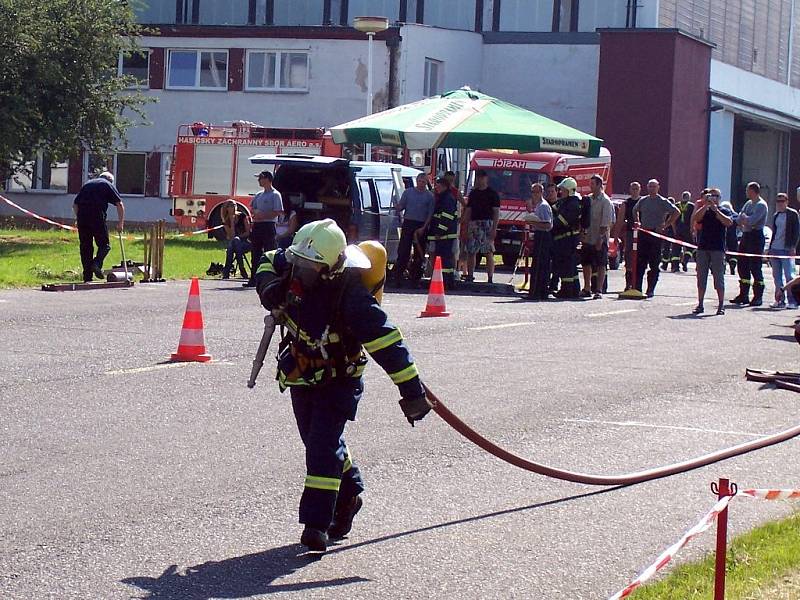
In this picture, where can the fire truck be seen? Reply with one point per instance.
(511, 175)
(211, 164)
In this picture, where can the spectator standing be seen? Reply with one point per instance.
(751, 221)
(713, 220)
(443, 230)
(566, 232)
(416, 206)
(731, 239)
(460, 244)
(635, 190)
(681, 254)
(785, 236)
(483, 213)
(90, 208)
(654, 213)
(541, 221)
(237, 226)
(594, 252)
(267, 205)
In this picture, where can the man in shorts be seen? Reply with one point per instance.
(594, 251)
(483, 213)
(713, 219)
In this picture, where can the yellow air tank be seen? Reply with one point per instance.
(374, 277)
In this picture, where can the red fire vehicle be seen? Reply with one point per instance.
(511, 175)
(211, 164)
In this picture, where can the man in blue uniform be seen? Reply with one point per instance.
(566, 231)
(90, 208)
(314, 290)
(444, 229)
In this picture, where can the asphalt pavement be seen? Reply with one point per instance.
(125, 476)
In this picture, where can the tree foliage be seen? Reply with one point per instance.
(59, 87)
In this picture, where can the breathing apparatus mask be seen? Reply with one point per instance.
(305, 275)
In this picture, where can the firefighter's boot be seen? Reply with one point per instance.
(758, 293)
(314, 539)
(343, 518)
(744, 292)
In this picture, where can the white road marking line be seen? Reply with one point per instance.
(3, 300)
(613, 312)
(685, 304)
(676, 427)
(170, 365)
(502, 326)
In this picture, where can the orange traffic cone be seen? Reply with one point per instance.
(435, 306)
(192, 346)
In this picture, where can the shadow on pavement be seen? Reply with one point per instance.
(491, 515)
(253, 574)
(237, 577)
(781, 338)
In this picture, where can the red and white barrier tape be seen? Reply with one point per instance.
(35, 216)
(703, 525)
(668, 554)
(765, 494)
(71, 228)
(688, 245)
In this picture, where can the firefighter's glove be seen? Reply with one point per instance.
(415, 408)
(273, 294)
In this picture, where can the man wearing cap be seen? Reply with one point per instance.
(315, 290)
(90, 208)
(266, 206)
(566, 232)
(654, 213)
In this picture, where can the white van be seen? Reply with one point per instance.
(360, 196)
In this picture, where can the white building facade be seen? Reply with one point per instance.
(299, 63)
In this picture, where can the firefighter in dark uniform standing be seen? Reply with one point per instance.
(444, 230)
(683, 231)
(314, 289)
(567, 214)
(90, 208)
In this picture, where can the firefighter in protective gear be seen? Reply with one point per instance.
(444, 230)
(683, 231)
(566, 234)
(328, 318)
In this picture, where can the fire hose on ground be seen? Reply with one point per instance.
(534, 467)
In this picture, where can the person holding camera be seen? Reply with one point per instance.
(711, 220)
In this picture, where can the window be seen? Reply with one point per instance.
(380, 8)
(166, 170)
(198, 69)
(432, 85)
(525, 15)
(366, 194)
(136, 65)
(593, 14)
(41, 173)
(298, 12)
(129, 175)
(277, 70)
(155, 11)
(224, 12)
(454, 14)
(94, 164)
(565, 17)
(385, 189)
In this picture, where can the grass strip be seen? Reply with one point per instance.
(29, 258)
(762, 564)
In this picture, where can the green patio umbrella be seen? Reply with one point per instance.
(466, 119)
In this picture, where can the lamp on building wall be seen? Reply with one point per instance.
(370, 26)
